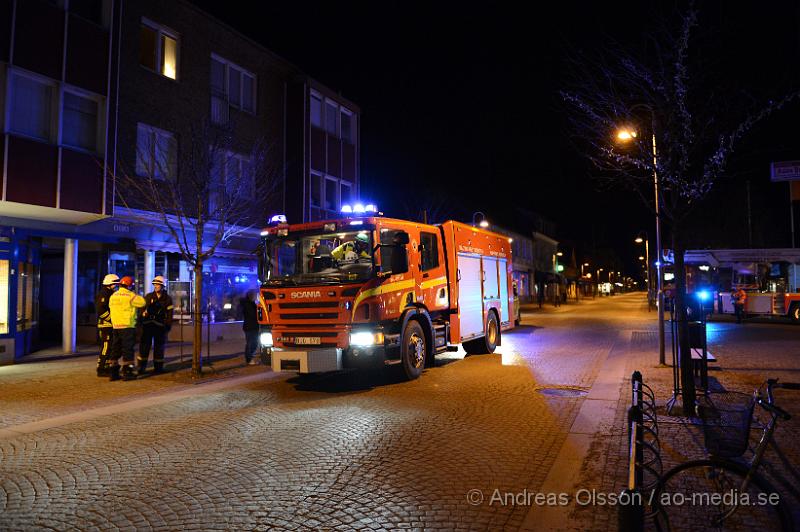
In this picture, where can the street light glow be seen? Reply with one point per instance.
(626, 135)
(641, 257)
(484, 223)
(639, 240)
(559, 254)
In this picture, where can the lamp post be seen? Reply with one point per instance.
(646, 241)
(626, 135)
(483, 223)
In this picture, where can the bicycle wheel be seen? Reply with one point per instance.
(708, 495)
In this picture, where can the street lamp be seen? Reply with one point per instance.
(626, 135)
(483, 223)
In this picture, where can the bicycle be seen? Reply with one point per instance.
(719, 492)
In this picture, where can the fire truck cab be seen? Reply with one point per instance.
(366, 291)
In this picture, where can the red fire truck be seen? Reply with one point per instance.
(364, 291)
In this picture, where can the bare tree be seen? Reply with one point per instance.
(208, 192)
(681, 127)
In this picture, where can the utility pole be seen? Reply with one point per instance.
(659, 257)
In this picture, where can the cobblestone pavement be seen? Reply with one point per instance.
(36, 391)
(346, 451)
(747, 356)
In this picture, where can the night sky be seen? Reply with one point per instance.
(461, 102)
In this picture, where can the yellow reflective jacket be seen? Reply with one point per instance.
(123, 304)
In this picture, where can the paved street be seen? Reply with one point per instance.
(369, 451)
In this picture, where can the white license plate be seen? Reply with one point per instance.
(307, 340)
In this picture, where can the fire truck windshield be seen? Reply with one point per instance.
(320, 258)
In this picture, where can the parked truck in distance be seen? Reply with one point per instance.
(364, 291)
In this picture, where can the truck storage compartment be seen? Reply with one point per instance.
(470, 303)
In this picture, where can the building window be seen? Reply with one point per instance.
(346, 193)
(331, 118)
(79, 120)
(233, 173)
(430, 251)
(316, 189)
(316, 109)
(31, 107)
(233, 84)
(91, 10)
(4, 303)
(156, 153)
(331, 199)
(348, 126)
(158, 49)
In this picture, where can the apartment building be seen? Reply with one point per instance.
(94, 88)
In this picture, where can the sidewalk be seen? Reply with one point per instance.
(46, 388)
(743, 365)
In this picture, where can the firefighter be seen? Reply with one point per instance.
(104, 328)
(156, 323)
(353, 250)
(124, 304)
(739, 298)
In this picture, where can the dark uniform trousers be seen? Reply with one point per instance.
(105, 335)
(123, 342)
(155, 334)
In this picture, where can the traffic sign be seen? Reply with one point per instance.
(785, 171)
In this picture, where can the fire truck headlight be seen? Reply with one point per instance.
(366, 339)
(266, 339)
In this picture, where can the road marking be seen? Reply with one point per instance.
(136, 404)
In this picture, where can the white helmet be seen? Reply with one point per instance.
(110, 279)
(159, 280)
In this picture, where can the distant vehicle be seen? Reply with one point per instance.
(365, 290)
(768, 276)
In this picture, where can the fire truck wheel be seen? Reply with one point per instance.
(488, 342)
(413, 350)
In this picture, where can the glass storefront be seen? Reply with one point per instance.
(225, 283)
(4, 296)
(27, 296)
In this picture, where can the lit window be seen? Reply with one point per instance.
(79, 122)
(169, 63)
(234, 84)
(156, 153)
(31, 107)
(158, 49)
(331, 118)
(316, 110)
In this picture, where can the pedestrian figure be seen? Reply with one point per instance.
(739, 298)
(250, 326)
(104, 328)
(124, 304)
(156, 323)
